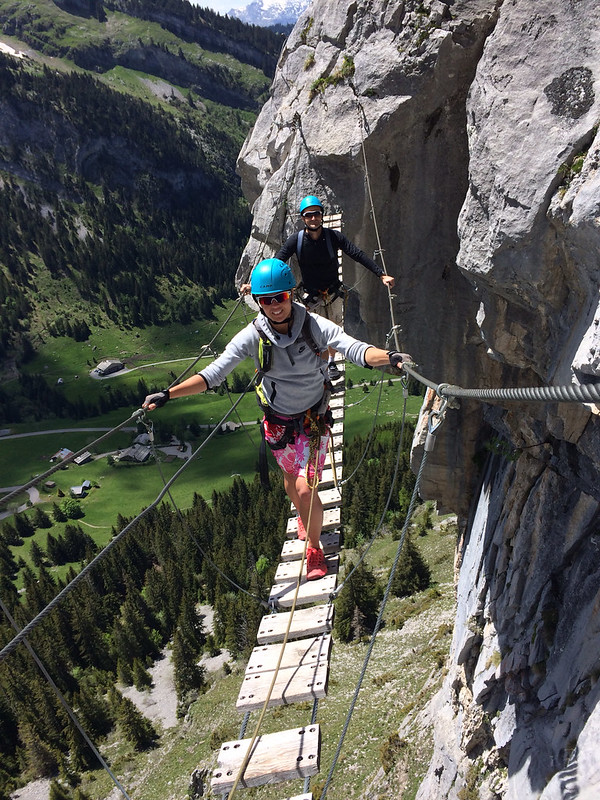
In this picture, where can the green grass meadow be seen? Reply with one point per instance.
(159, 355)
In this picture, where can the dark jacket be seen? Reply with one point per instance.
(319, 269)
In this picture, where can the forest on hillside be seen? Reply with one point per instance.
(120, 207)
(48, 30)
(116, 197)
(143, 595)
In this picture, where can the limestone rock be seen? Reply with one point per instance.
(473, 126)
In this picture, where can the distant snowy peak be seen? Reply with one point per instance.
(270, 12)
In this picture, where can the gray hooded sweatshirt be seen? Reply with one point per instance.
(295, 381)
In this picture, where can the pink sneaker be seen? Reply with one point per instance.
(316, 566)
(301, 530)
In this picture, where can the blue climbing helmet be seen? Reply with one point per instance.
(308, 201)
(271, 276)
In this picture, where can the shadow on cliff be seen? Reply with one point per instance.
(532, 665)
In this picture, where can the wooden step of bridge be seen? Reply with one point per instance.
(302, 675)
(305, 622)
(331, 519)
(281, 756)
(300, 672)
(282, 594)
(327, 481)
(290, 570)
(293, 548)
(329, 498)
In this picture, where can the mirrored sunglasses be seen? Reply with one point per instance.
(267, 299)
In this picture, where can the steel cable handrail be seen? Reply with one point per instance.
(570, 393)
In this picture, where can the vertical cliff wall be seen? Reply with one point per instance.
(478, 124)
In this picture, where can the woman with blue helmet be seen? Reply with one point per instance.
(286, 341)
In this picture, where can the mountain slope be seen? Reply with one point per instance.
(118, 141)
(271, 12)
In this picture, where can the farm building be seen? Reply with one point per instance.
(108, 366)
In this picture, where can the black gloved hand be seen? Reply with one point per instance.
(397, 359)
(158, 399)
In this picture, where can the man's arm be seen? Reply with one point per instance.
(288, 248)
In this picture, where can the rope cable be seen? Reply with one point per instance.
(64, 703)
(248, 755)
(337, 591)
(104, 552)
(571, 393)
(3, 500)
(380, 249)
(370, 437)
(135, 416)
(375, 630)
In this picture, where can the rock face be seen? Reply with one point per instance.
(474, 126)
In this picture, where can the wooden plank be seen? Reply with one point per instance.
(309, 592)
(301, 652)
(293, 548)
(337, 428)
(337, 413)
(305, 622)
(331, 520)
(338, 459)
(292, 685)
(337, 401)
(281, 756)
(300, 797)
(327, 476)
(329, 498)
(290, 570)
(337, 442)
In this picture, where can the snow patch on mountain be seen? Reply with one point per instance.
(270, 12)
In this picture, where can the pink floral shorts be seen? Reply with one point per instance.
(293, 458)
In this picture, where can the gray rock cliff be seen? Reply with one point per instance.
(475, 124)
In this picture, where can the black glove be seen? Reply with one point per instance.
(397, 359)
(158, 399)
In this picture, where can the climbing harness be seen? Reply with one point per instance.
(293, 424)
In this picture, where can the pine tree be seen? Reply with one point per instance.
(24, 526)
(40, 759)
(124, 673)
(357, 604)
(37, 554)
(141, 677)
(134, 726)
(58, 791)
(58, 514)
(41, 519)
(189, 624)
(10, 535)
(189, 675)
(412, 571)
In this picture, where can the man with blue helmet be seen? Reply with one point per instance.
(316, 249)
(286, 341)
